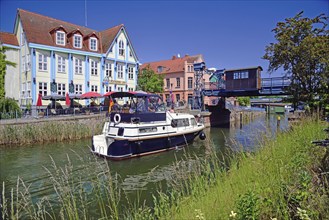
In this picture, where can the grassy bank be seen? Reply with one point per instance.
(283, 180)
(50, 131)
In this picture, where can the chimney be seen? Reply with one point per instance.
(173, 57)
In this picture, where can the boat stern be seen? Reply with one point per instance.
(99, 145)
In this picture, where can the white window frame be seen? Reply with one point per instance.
(42, 62)
(43, 88)
(130, 89)
(190, 82)
(28, 62)
(108, 69)
(23, 64)
(78, 66)
(168, 83)
(130, 72)
(120, 71)
(121, 48)
(23, 90)
(77, 41)
(120, 88)
(93, 67)
(60, 38)
(22, 39)
(94, 88)
(61, 64)
(93, 43)
(78, 89)
(108, 88)
(28, 89)
(177, 82)
(61, 89)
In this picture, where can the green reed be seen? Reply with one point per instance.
(277, 181)
(280, 181)
(48, 131)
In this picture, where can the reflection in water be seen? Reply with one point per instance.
(30, 163)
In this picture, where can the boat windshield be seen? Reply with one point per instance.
(132, 102)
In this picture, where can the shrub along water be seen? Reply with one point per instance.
(279, 181)
(48, 131)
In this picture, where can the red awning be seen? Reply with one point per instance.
(89, 95)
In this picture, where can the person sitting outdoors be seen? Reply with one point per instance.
(115, 107)
(132, 108)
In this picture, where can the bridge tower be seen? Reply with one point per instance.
(199, 70)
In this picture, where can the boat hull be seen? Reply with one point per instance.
(124, 149)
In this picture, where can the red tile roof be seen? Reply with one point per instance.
(173, 65)
(109, 35)
(38, 29)
(8, 38)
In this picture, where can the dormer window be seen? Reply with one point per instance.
(160, 69)
(121, 48)
(77, 41)
(60, 38)
(93, 43)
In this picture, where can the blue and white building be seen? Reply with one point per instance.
(55, 57)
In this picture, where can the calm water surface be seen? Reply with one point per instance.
(30, 163)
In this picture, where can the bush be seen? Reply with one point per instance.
(8, 108)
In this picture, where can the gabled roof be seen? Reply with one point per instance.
(176, 64)
(37, 30)
(108, 36)
(8, 38)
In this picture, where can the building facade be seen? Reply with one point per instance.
(179, 80)
(56, 57)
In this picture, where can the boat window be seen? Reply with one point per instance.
(180, 122)
(193, 122)
(146, 130)
(155, 104)
(120, 131)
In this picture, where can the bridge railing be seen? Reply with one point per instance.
(214, 85)
(276, 82)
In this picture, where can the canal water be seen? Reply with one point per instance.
(138, 175)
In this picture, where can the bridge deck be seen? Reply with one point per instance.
(269, 86)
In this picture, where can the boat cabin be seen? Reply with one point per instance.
(136, 107)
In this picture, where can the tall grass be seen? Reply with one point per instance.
(92, 193)
(48, 131)
(279, 181)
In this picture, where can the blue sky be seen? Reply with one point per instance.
(229, 34)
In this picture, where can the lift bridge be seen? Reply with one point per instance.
(260, 86)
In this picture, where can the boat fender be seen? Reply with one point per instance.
(202, 136)
(117, 118)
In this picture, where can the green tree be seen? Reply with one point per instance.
(302, 50)
(3, 67)
(149, 81)
(244, 101)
